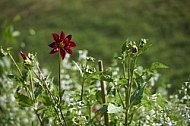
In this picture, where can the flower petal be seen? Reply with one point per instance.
(52, 45)
(69, 51)
(62, 36)
(72, 44)
(62, 52)
(55, 37)
(54, 50)
(68, 38)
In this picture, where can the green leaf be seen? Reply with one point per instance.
(137, 95)
(41, 108)
(9, 49)
(114, 109)
(17, 18)
(122, 81)
(23, 100)
(94, 76)
(99, 96)
(157, 65)
(80, 70)
(10, 76)
(62, 93)
(46, 100)
(101, 110)
(143, 46)
(38, 90)
(56, 90)
(107, 78)
(124, 47)
(161, 101)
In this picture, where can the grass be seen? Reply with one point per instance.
(101, 27)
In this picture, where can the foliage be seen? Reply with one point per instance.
(86, 93)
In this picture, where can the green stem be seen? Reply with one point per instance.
(131, 67)
(32, 87)
(128, 89)
(83, 81)
(34, 99)
(57, 112)
(90, 111)
(118, 92)
(124, 65)
(44, 85)
(39, 118)
(56, 101)
(82, 90)
(59, 78)
(120, 98)
(15, 63)
(63, 118)
(60, 95)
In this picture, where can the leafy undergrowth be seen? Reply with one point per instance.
(86, 93)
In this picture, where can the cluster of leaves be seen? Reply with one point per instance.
(10, 112)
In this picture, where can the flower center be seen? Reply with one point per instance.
(61, 44)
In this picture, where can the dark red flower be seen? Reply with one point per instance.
(61, 44)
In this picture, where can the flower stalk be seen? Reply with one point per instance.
(129, 57)
(15, 63)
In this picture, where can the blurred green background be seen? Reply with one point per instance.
(101, 27)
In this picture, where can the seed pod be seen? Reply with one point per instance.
(134, 49)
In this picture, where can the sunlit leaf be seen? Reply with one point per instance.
(56, 90)
(23, 100)
(17, 18)
(137, 95)
(102, 110)
(114, 109)
(80, 70)
(38, 90)
(45, 100)
(157, 65)
(124, 47)
(107, 78)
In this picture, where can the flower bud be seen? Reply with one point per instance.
(95, 108)
(25, 58)
(3, 53)
(23, 55)
(143, 42)
(134, 49)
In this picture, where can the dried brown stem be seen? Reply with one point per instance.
(103, 90)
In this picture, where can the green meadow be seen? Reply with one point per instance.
(101, 27)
